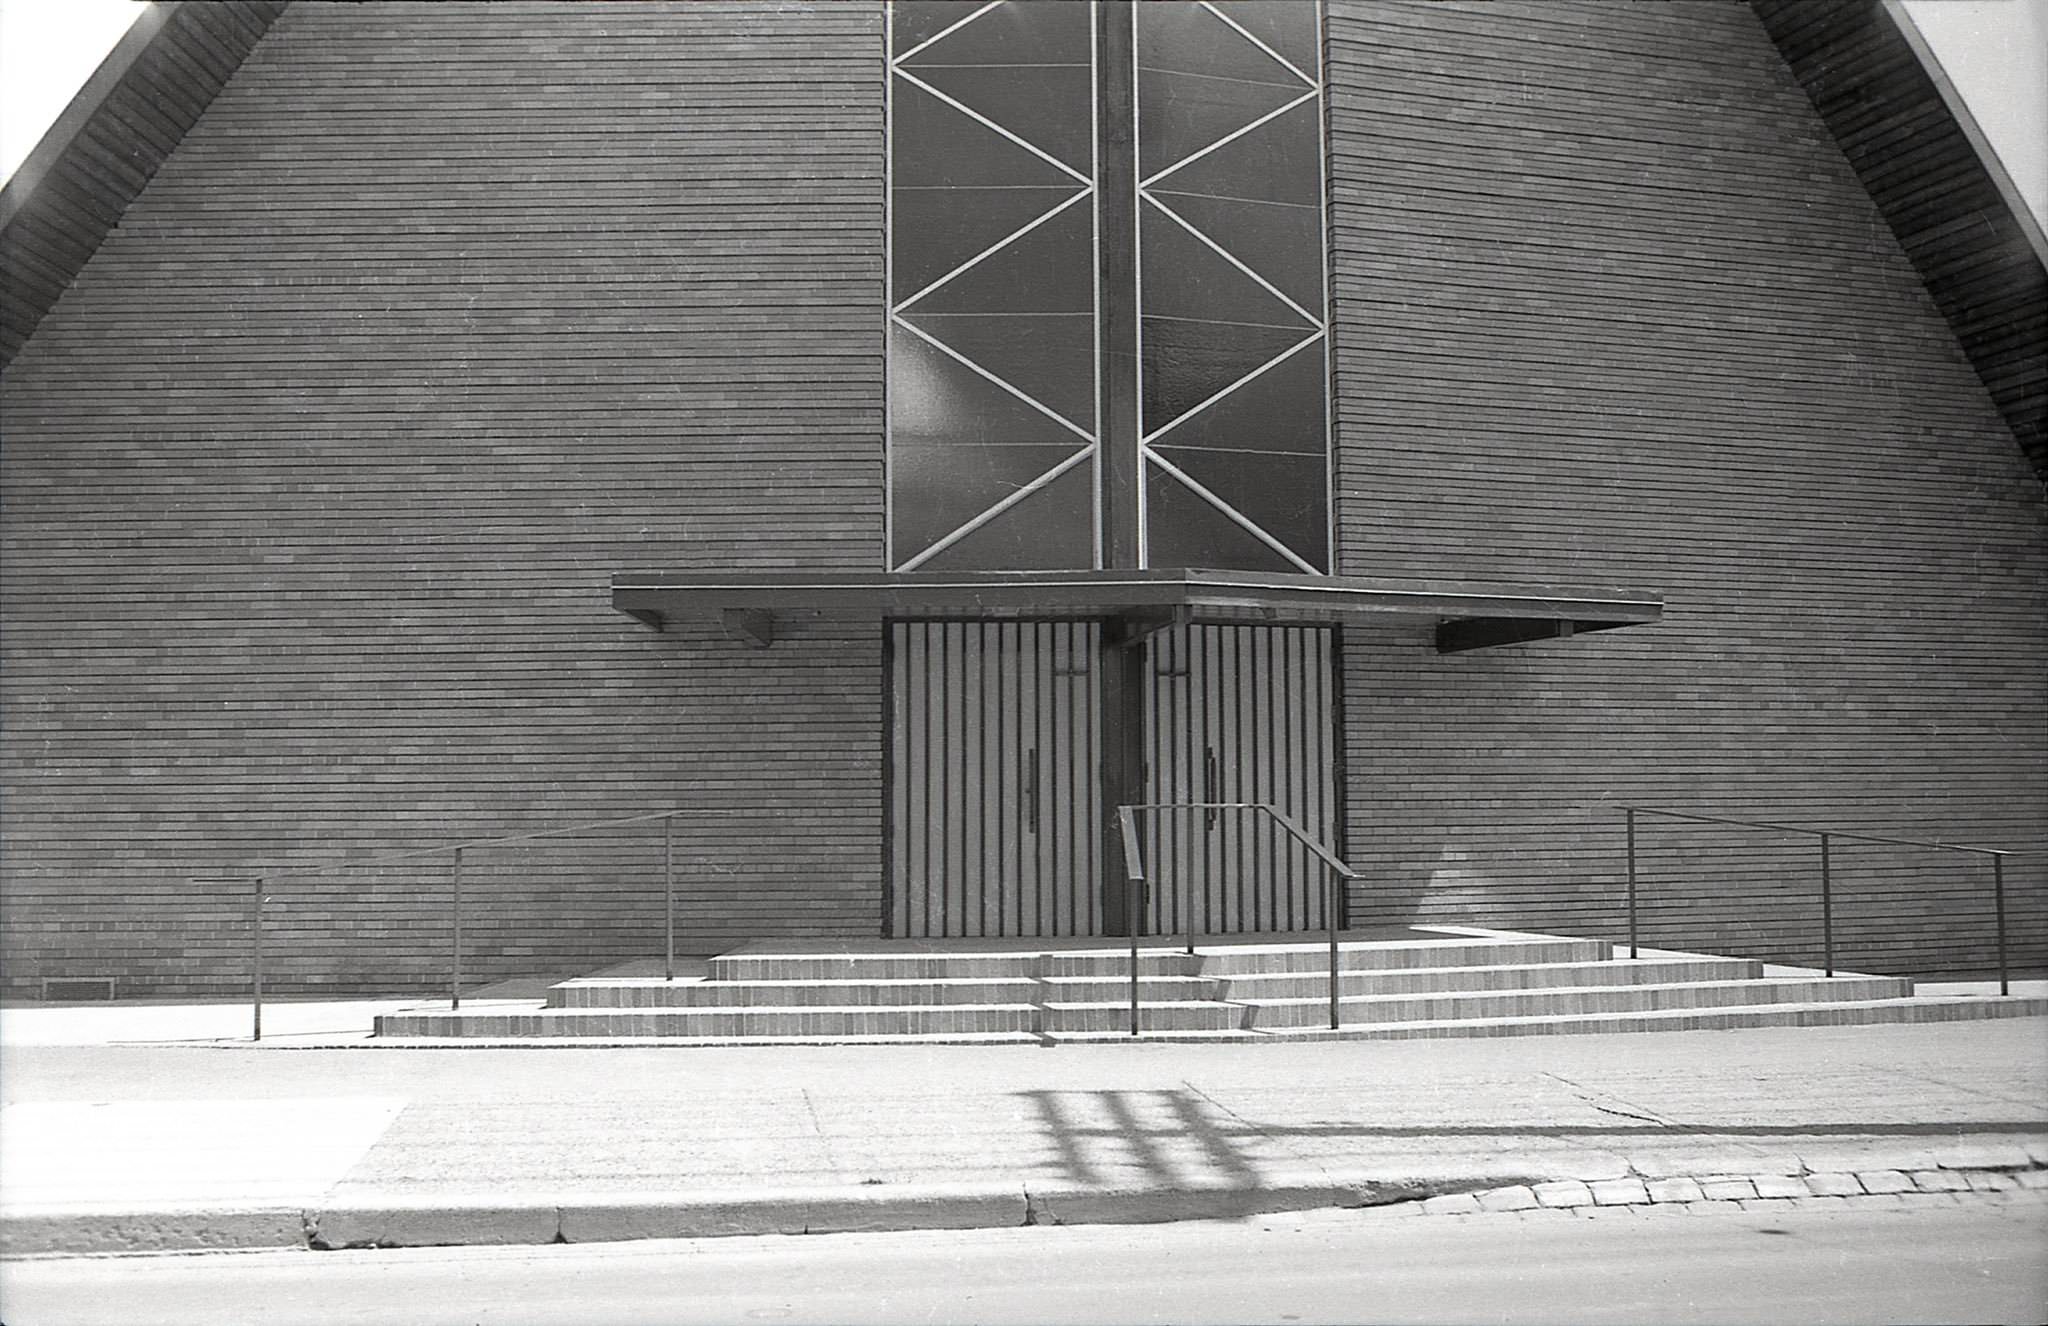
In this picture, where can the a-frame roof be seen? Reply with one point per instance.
(72, 189)
(1925, 163)
(1913, 144)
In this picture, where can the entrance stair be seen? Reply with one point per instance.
(1408, 982)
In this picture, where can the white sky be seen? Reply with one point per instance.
(1995, 51)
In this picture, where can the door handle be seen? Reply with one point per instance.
(1212, 785)
(1031, 790)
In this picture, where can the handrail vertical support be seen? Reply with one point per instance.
(1827, 908)
(256, 962)
(1998, 904)
(455, 933)
(1631, 816)
(1134, 885)
(668, 893)
(1330, 916)
(1131, 916)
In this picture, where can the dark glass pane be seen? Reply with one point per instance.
(1284, 408)
(1288, 26)
(935, 230)
(935, 399)
(1048, 106)
(1182, 531)
(1185, 278)
(912, 22)
(935, 145)
(934, 490)
(1280, 161)
(1185, 363)
(1285, 495)
(1182, 37)
(1017, 32)
(1180, 114)
(1051, 530)
(1050, 270)
(1049, 357)
(1282, 242)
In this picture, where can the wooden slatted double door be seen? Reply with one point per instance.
(995, 805)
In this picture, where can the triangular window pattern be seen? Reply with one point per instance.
(1109, 342)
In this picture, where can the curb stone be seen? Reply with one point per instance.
(433, 1222)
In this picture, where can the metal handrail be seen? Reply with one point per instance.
(267, 877)
(1827, 891)
(1134, 874)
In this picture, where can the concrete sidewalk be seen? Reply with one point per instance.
(120, 1133)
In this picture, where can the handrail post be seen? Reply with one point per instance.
(1131, 920)
(668, 893)
(256, 962)
(455, 933)
(1631, 816)
(1330, 917)
(1134, 882)
(1827, 909)
(1998, 904)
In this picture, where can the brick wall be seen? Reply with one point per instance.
(316, 477)
(1613, 309)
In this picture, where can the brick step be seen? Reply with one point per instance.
(1311, 956)
(1152, 961)
(1854, 1012)
(1183, 1015)
(1457, 1006)
(1110, 1024)
(1157, 956)
(958, 1019)
(1618, 971)
(655, 993)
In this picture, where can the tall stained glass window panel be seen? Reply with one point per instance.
(1233, 332)
(993, 286)
(1107, 330)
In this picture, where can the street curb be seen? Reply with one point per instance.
(46, 1233)
(481, 1219)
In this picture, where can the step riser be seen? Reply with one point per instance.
(1305, 985)
(1303, 955)
(1538, 1003)
(1820, 1015)
(1167, 1017)
(1400, 958)
(678, 1022)
(908, 994)
(983, 967)
(530, 1026)
(730, 994)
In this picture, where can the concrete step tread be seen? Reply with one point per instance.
(801, 982)
(1157, 946)
(1591, 965)
(822, 1038)
(2010, 1005)
(1566, 992)
(723, 1010)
